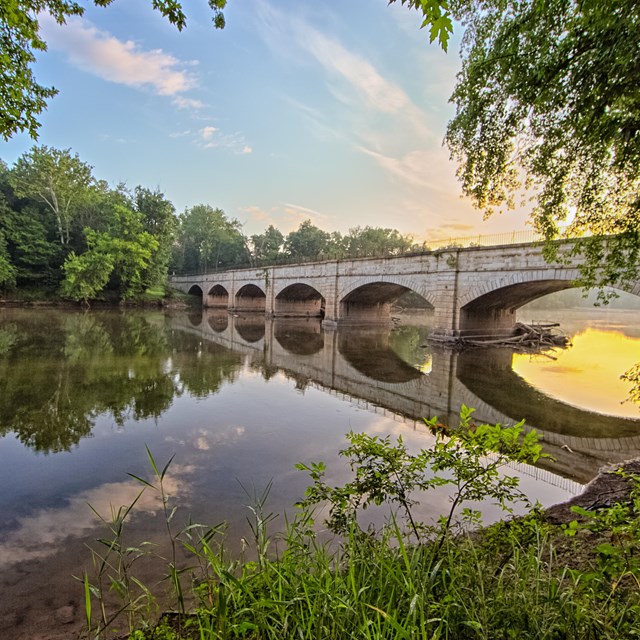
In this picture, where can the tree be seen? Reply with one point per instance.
(436, 16)
(267, 246)
(376, 241)
(159, 219)
(119, 257)
(22, 99)
(547, 100)
(7, 270)
(208, 240)
(307, 242)
(55, 178)
(86, 275)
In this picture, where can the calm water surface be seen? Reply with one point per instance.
(240, 400)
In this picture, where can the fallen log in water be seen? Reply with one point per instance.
(526, 337)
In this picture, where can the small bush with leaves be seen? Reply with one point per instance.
(470, 459)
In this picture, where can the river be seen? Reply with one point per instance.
(238, 401)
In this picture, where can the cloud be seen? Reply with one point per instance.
(122, 62)
(282, 31)
(423, 168)
(187, 103)
(285, 217)
(41, 533)
(210, 137)
(295, 214)
(256, 214)
(206, 133)
(378, 92)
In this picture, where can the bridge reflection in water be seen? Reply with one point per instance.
(359, 364)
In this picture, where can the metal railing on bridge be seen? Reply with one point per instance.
(525, 236)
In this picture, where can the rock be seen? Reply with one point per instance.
(605, 490)
(65, 615)
(8, 620)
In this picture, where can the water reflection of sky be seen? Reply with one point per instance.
(586, 375)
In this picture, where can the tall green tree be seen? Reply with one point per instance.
(118, 258)
(208, 240)
(7, 270)
(548, 101)
(267, 246)
(56, 179)
(30, 236)
(159, 219)
(22, 99)
(307, 242)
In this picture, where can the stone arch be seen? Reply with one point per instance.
(405, 283)
(299, 300)
(251, 298)
(369, 300)
(196, 290)
(218, 297)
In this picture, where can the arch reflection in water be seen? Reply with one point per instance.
(368, 351)
(250, 328)
(367, 364)
(301, 337)
(218, 320)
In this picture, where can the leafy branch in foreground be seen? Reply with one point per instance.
(470, 459)
(22, 99)
(547, 105)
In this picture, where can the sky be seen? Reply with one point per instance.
(331, 111)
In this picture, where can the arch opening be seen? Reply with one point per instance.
(373, 303)
(299, 301)
(494, 313)
(218, 297)
(251, 298)
(196, 291)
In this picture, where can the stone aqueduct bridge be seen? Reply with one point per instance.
(473, 291)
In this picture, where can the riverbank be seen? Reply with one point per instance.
(159, 297)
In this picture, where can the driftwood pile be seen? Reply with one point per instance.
(527, 337)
